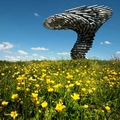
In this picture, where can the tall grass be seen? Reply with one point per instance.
(60, 90)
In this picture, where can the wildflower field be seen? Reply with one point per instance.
(60, 90)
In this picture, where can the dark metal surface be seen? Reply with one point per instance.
(85, 21)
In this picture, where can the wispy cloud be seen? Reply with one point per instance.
(17, 58)
(12, 58)
(39, 48)
(34, 54)
(118, 52)
(36, 14)
(6, 46)
(43, 57)
(22, 52)
(7, 51)
(105, 42)
(63, 53)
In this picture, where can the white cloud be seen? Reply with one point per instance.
(34, 54)
(107, 42)
(118, 52)
(6, 46)
(12, 58)
(36, 14)
(7, 51)
(39, 48)
(18, 57)
(43, 57)
(1, 47)
(53, 58)
(101, 43)
(64, 53)
(22, 52)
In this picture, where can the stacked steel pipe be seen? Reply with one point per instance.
(85, 21)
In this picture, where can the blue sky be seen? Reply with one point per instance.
(23, 37)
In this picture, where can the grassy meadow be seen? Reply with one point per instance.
(60, 90)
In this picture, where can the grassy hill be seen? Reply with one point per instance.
(60, 90)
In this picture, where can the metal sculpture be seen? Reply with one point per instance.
(85, 21)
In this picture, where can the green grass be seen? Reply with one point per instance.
(60, 90)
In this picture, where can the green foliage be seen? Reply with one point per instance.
(60, 90)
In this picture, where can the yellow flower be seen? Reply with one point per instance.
(43, 70)
(2, 74)
(103, 111)
(113, 72)
(88, 81)
(66, 86)
(75, 96)
(27, 89)
(40, 111)
(14, 96)
(36, 91)
(44, 104)
(14, 114)
(83, 89)
(77, 83)
(71, 85)
(4, 103)
(37, 85)
(85, 106)
(107, 108)
(50, 89)
(69, 76)
(56, 74)
(35, 100)
(52, 81)
(20, 79)
(94, 88)
(57, 85)
(43, 75)
(48, 81)
(68, 81)
(59, 107)
(23, 83)
(77, 70)
(34, 95)
(18, 88)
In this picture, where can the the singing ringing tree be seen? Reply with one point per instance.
(85, 21)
